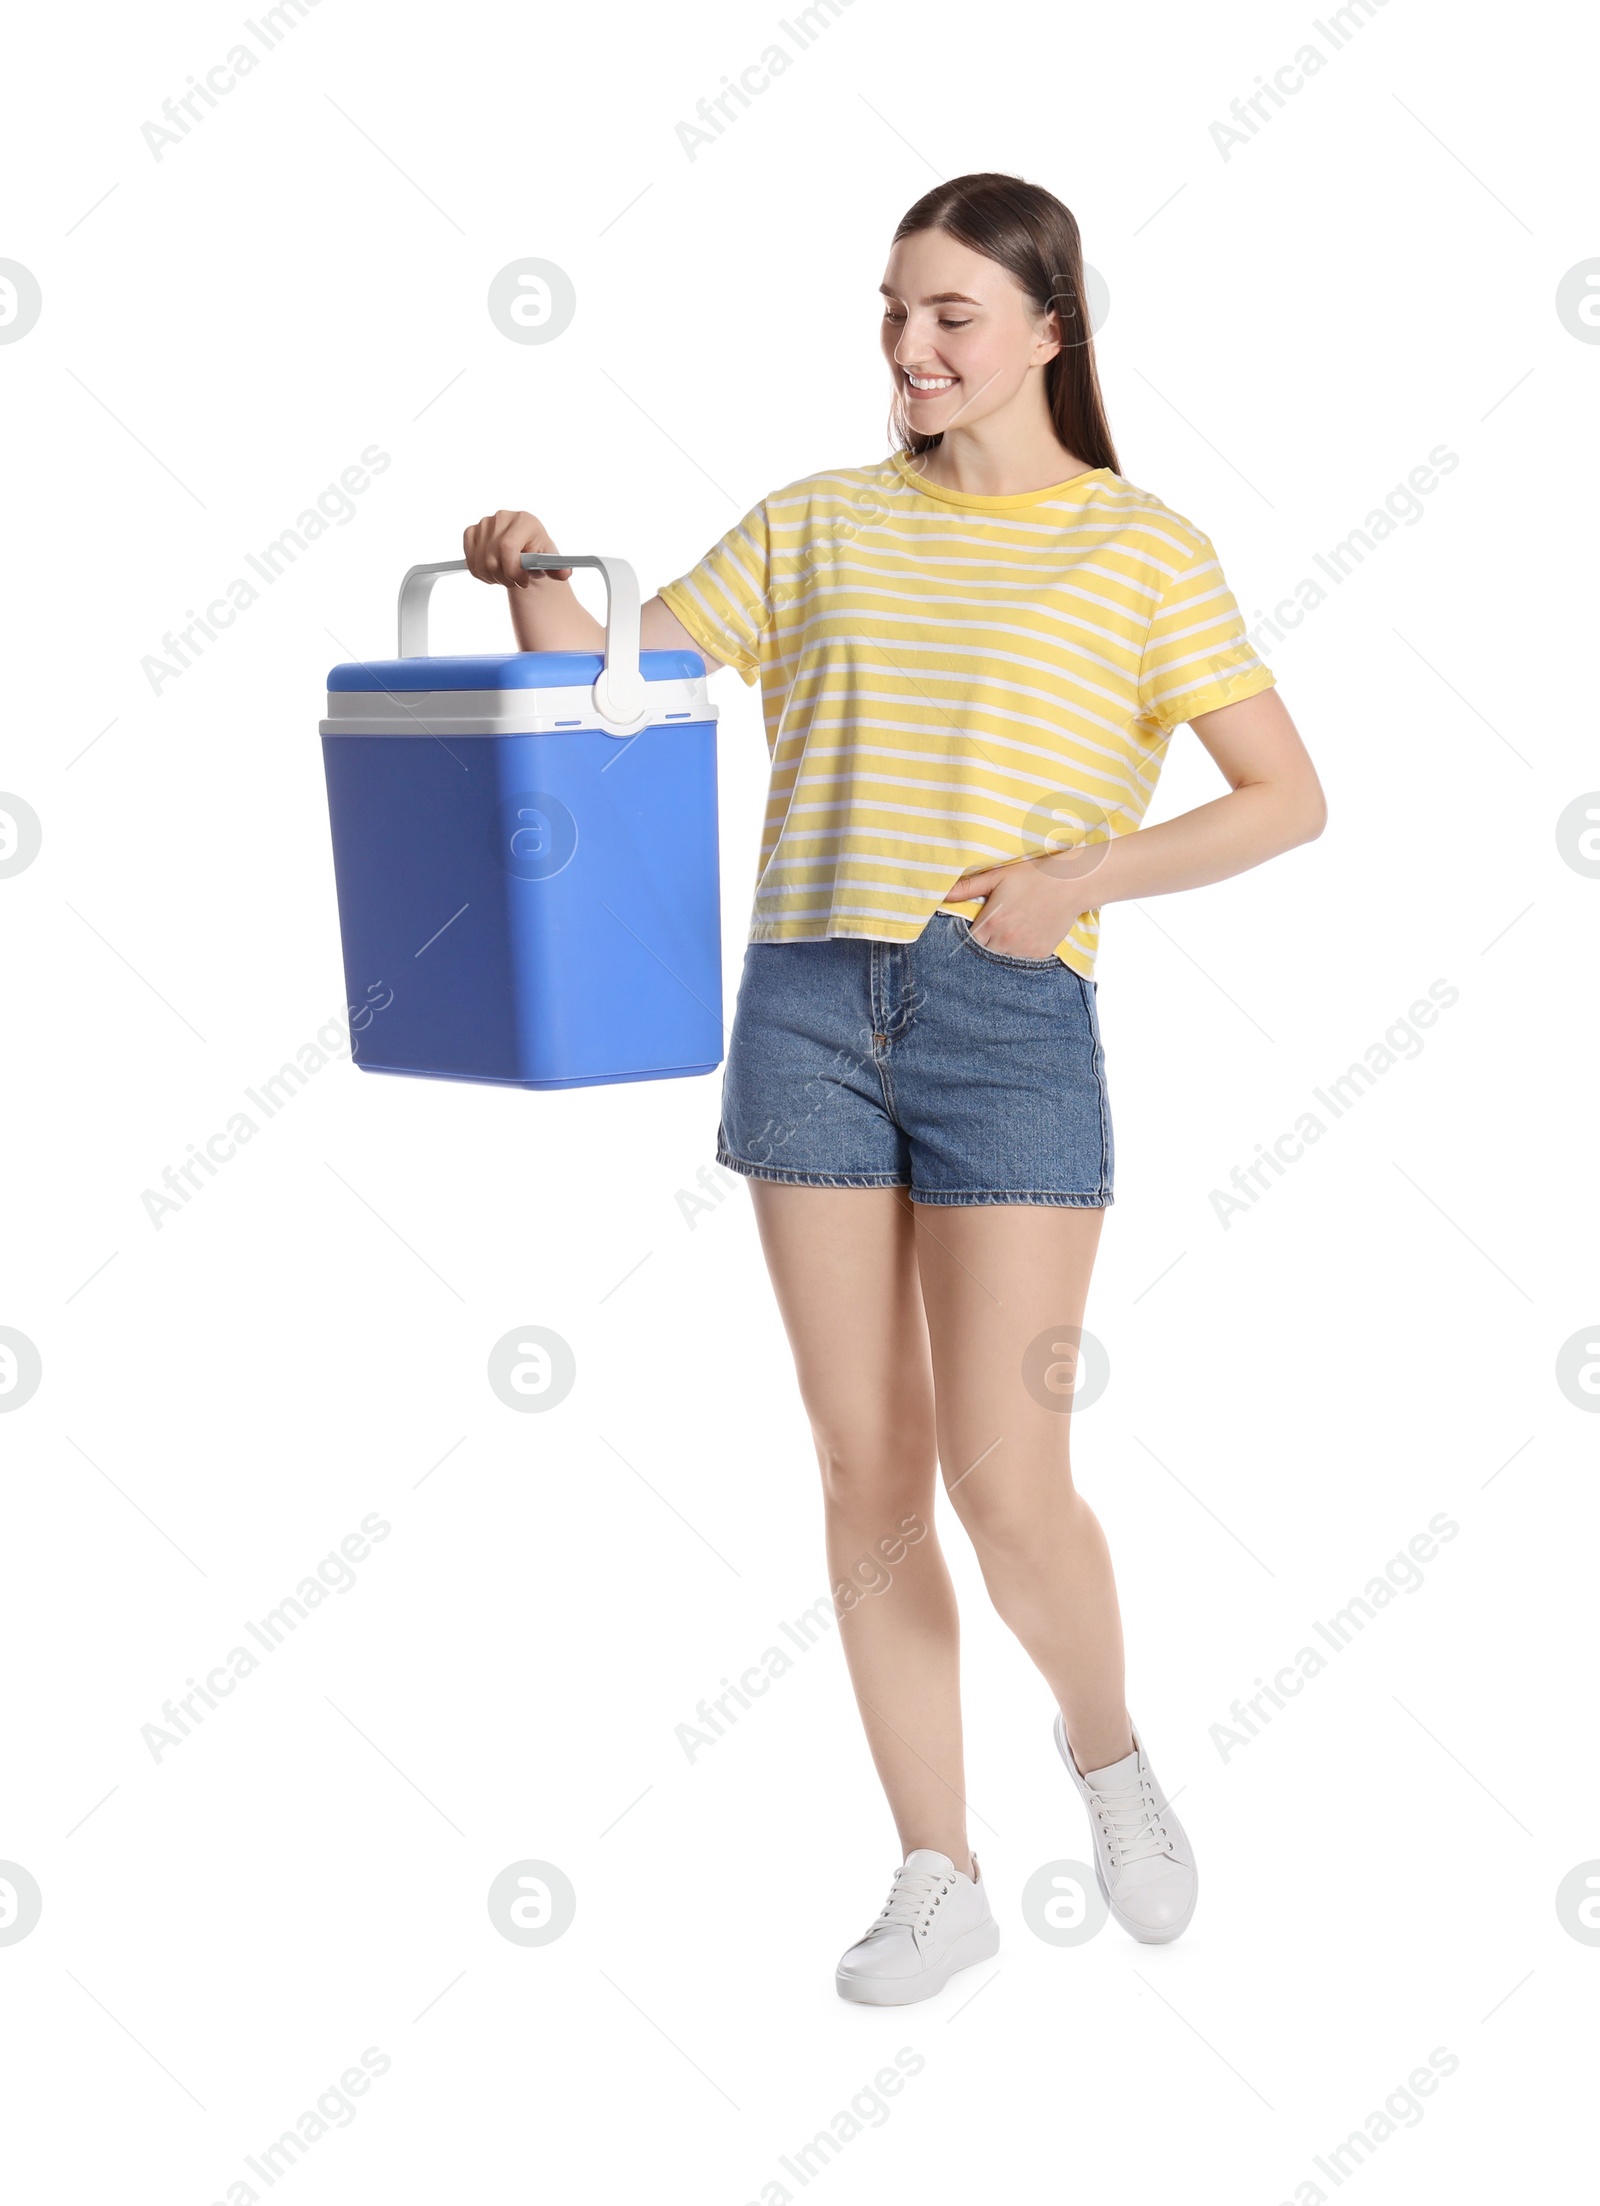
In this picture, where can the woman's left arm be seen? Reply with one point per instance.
(1274, 802)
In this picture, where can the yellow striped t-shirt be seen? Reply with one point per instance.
(951, 681)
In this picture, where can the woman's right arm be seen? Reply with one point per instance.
(545, 612)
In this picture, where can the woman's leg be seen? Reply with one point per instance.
(996, 1278)
(844, 1269)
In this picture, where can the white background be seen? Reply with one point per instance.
(1291, 330)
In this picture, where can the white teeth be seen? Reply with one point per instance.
(930, 382)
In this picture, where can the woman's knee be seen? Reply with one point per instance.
(1014, 1523)
(877, 1472)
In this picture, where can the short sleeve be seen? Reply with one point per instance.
(726, 601)
(1197, 656)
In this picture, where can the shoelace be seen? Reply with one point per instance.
(1132, 1821)
(912, 1898)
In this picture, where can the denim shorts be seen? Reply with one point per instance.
(936, 1065)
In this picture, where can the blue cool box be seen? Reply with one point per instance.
(526, 860)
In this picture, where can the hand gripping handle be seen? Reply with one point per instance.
(621, 695)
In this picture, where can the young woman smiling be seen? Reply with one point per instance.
(971, 660)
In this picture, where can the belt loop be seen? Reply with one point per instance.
(897, 1009)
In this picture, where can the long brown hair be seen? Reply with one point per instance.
(1034, 237)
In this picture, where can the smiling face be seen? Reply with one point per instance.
(962, 338)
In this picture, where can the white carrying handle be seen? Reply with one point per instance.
(621, 695)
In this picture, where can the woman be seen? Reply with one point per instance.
(971, 659)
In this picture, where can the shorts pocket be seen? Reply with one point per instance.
(999, 957)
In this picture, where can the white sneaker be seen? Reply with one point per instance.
(936, 1921)
(1143, 1862)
